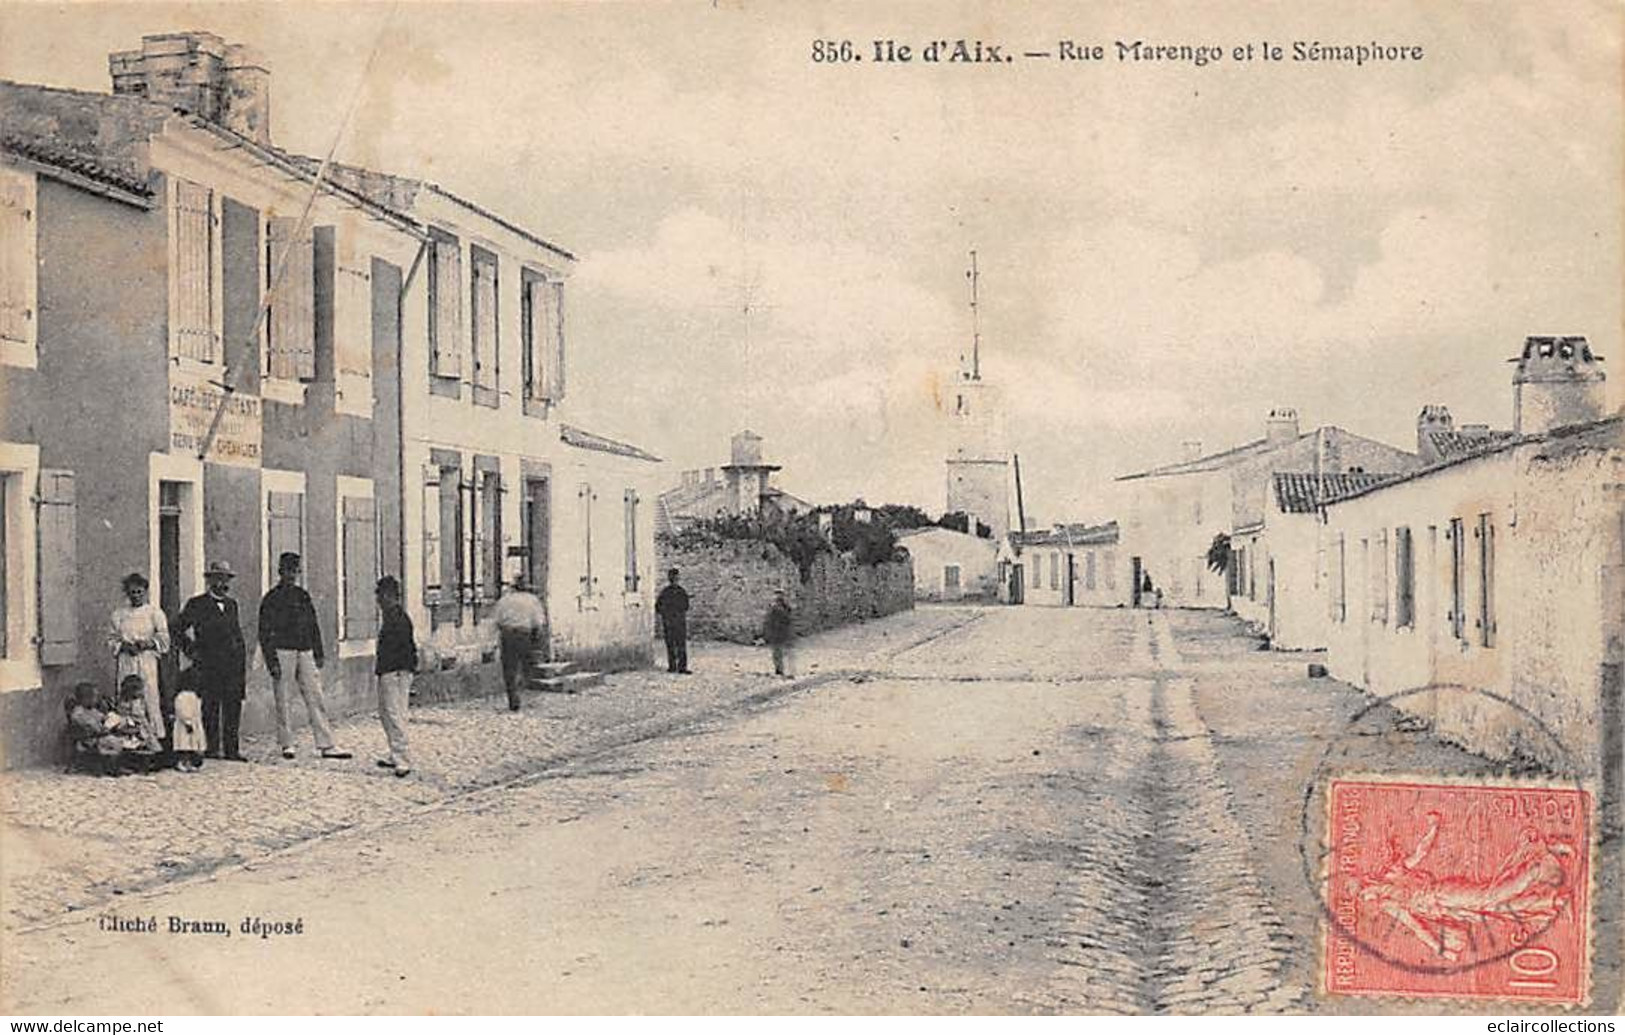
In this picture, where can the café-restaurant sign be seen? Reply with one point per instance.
(194, 400)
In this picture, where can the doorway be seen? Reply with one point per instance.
(1069, 588)
(1137, 577)
(535, 523)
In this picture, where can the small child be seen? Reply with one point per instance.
(134, 728)
(779, 632)
(91, 726)
(189, 741)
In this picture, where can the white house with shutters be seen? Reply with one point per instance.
(211, 351)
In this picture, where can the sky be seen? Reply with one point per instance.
(1167, 251)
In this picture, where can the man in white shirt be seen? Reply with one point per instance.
(521, 623)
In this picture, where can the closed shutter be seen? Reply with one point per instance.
(431, 535)
(631, 504)
(58, 569)
(18, 271)
(490, 545)
(451, 539)
(291, 354)
(360, 569)
(554, 294)
(352, 323)
(588, 579)
(192, 271)
(539, 338)
(445, 308)
(483, 291)
(285, 525)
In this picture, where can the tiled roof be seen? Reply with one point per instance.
(401, 192)
(1069, 535)
(46, 154)
(1297, 493)
(1449, 444)
(1210, 462)
(582, 439)
(97, 136)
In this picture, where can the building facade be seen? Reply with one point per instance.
(951, 565)
(1073, 566)
(212, 350)
(743, 487)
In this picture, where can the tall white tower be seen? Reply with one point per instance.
(978, 465)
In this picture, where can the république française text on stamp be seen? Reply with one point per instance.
(1457, 891)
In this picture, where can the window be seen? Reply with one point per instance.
(1089, 570)
(488, 549)
(358, 545)
(1458, 579)
(589, 582)
(1379, 579)
(39, 599)
(631, 505)
(483, 295)
(1404, 580)
(445, 306)
(541, 304)
(352, 308)
(284, 530)
(1054, 571)
(1109, 560)
(950, 578)
(19, 268)
(194, 286)
(1038, 570)
(1340, 579)
(1485, 533)
(290, 283)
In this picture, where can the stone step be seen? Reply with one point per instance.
(568, 683)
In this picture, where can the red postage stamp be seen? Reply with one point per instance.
(1457, 891)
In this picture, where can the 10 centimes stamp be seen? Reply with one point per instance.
(1457, 890)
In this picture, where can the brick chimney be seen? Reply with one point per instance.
(1281, 426)
(200, 73)
(1434, 417)
(1558, 381)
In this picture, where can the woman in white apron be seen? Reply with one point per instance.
(140, 637)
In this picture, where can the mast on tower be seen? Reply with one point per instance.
(974, 276)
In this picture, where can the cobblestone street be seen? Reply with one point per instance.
(953, 811)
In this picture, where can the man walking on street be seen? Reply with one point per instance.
(291, 642)
(208, 632)
(397, 661)
(779, 632)
(672, 607)
(521, 621)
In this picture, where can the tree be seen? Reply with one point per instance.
(1218, 553)
(957, 520)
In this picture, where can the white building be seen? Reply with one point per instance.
(951, 565)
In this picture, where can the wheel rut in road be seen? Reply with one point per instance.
(1169, 915)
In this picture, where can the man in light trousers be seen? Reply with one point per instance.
(291, 642)
(396, 662)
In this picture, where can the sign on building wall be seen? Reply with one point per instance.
(193, 402)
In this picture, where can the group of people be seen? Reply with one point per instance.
(135, 731)
(778, 628)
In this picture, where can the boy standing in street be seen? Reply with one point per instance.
(397, 661)
(672, 607)
(291, 641)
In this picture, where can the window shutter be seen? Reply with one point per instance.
(587, 577)
(58, 569)
(192, 271)
(539, 338)
(445, 303)
(360, 569)
(555, 373)
(352, 323)
(631, 541)
(431, 535)
(285, 526)
(483, 294)
(451, 539)
(292, 351)
(18, 271)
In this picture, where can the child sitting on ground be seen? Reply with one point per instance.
(136, 736)
(92, 727)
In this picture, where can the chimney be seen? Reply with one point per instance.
(1434, 417)
(1558, 381)
(1281, 426)
(1190, 449)
(199, 73)
(746, 449)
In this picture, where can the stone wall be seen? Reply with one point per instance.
(731, 586)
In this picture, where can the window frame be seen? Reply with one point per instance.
(212, 264)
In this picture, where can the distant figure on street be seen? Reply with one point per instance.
(397, 661)
(672, 607)
(208, 632)
(140, 636)
(779, 632)
(291, 643)
(521, 620)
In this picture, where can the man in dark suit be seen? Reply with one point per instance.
(672, 607)
(211, 635)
